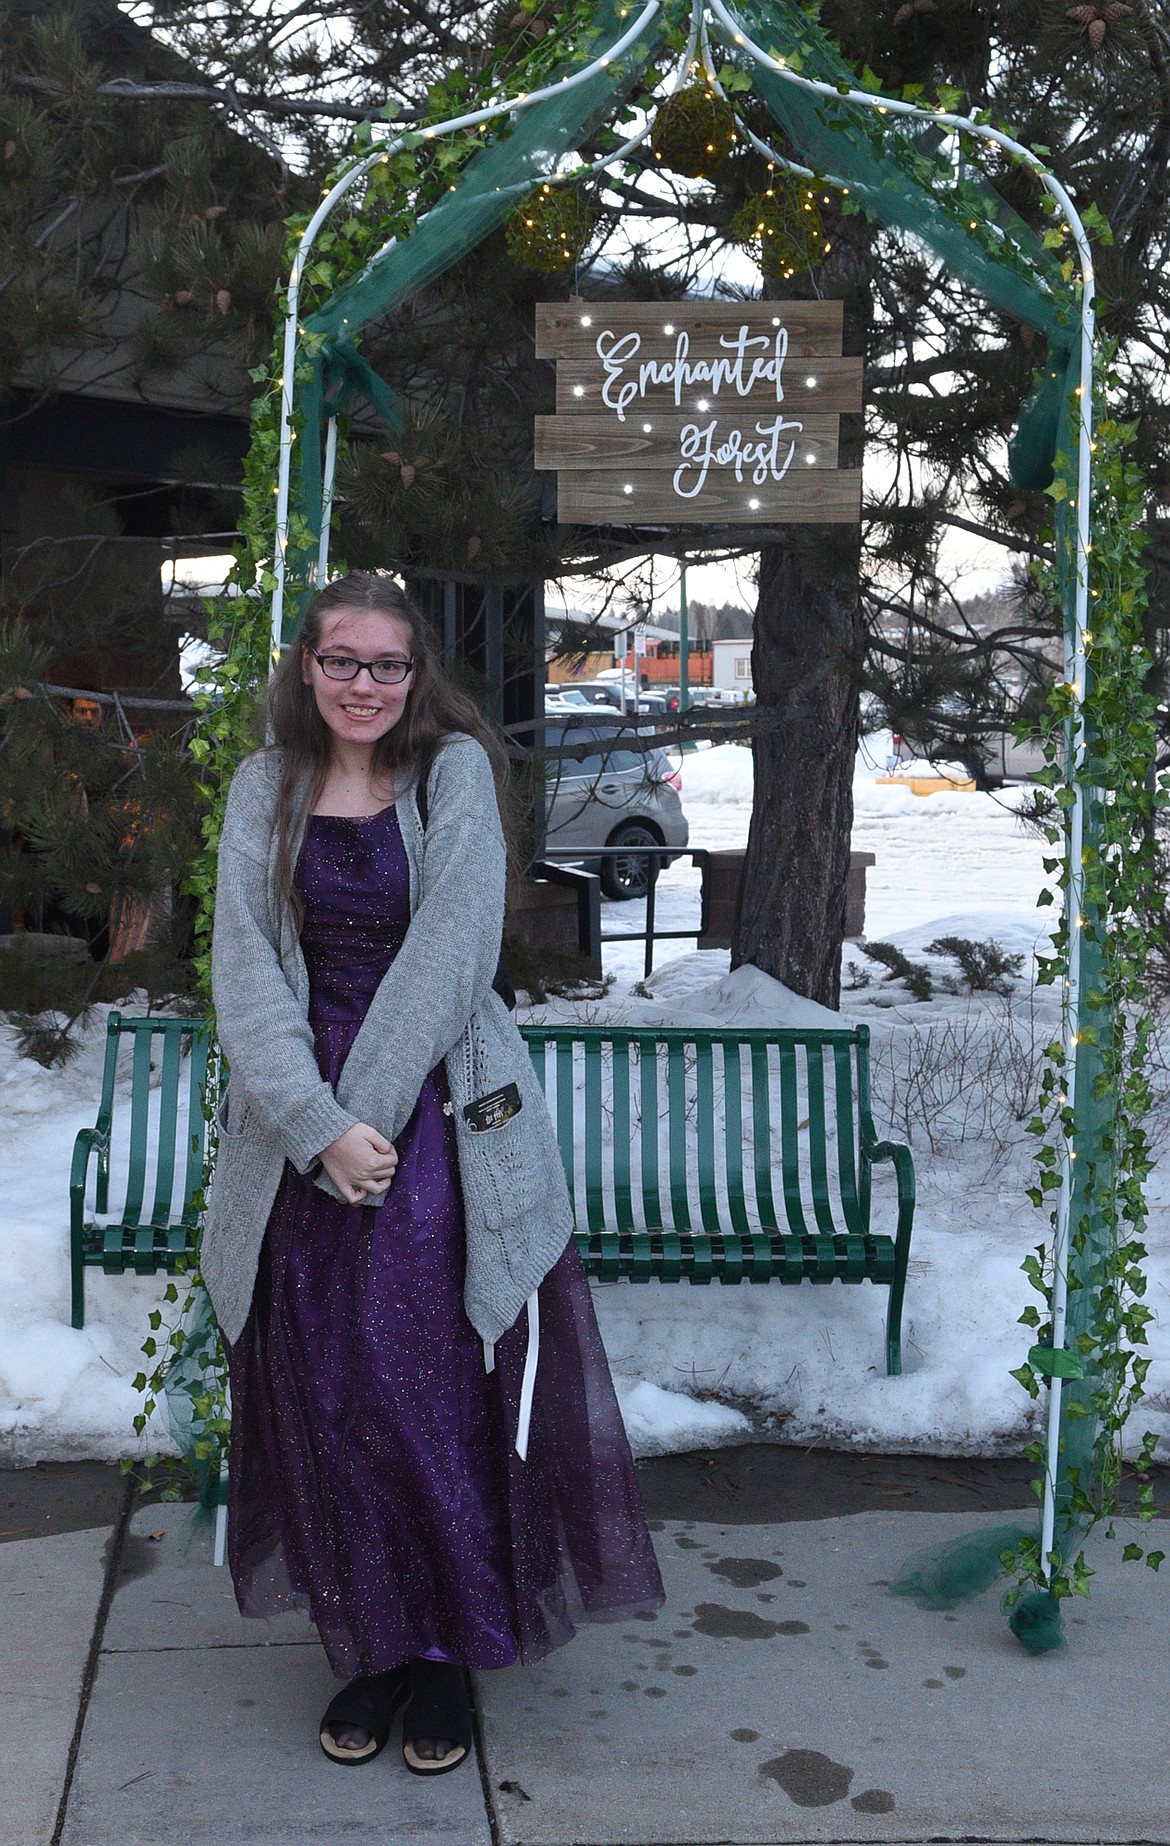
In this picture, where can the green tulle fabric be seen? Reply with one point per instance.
(1035, 1622)
(944, 1575)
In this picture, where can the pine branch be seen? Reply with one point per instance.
(116, 698)
(128, 91)
(1011, 541)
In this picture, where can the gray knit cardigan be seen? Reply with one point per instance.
(435, 1002)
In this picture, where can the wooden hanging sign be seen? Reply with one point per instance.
(698, 412)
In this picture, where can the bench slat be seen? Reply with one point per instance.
(642, 1260)
(705, 1135)
(622, 1194)
(594, 1140)
(648, 1097)
(736, 1252)
(607, 1245)
(847, 1138)
(817, 1143)
(790, 1139)
(761, 1264)
(880, 1252)
(565, 1134)
(854, 1267)
(676, 1104)
(168, 1126)
(671, 1266)
(733, 1135)
(139, 1127)
(196, 1121)
(821, 1258)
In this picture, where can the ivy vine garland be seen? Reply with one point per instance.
(1118, 712)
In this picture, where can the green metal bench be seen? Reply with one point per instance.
(162, 1153)
(740, 1116)
(737, 1115)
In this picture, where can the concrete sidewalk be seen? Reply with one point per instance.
(782, 1696)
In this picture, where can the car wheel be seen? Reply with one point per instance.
(623, 877)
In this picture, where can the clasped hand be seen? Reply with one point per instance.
(360, 1162)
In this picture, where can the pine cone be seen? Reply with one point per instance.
(407, 472)
(223, 299)
(183, 297)
(906, 13)
(474, 545)
(9, 149)
(214, 211)
(1095, 21)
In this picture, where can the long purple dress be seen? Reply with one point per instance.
(374, 1479)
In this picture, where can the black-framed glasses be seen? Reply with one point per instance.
(389, 672)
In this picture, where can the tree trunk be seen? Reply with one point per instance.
(806, 663)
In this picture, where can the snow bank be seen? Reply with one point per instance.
(662, 1422)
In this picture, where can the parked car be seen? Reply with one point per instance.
(615, 796)
(589, 692)
(696, 695)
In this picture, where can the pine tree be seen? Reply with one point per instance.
(140, 242)
(945, 379)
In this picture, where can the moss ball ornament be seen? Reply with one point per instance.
(694, 131)
(783, 227)
(549, 231)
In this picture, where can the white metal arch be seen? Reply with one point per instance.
(1075, 640)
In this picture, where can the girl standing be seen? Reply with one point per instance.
(427, 1451)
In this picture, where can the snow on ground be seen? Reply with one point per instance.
(64, 1394)
(695, 1367)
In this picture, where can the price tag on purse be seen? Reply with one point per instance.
(493, 1110)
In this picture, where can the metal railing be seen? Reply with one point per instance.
(564, 865)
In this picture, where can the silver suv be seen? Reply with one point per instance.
(615, 796)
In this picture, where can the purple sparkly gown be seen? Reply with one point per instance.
(374, 1481)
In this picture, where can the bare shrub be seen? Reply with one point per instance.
(974, 1078)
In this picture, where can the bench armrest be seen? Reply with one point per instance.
(877, 1152)
(874, 1153)
(89, 1140)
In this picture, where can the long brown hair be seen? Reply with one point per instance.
(434, 707)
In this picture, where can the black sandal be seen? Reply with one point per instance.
(371, 1703)
(438, 1706)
